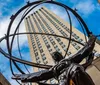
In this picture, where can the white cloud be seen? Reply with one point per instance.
(86, 7)
(58, 11)
(3, 30)
(98, 7)
(22, 40)
(3, 26)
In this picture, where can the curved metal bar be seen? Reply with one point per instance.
(41, 34)
(13, 17)
(23, 61)
(64, 7)
(19, 47)
(70, 33)
(10, 49)
(82, 29)
(9, 46)
(19, 51)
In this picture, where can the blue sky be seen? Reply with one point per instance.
(89, 10)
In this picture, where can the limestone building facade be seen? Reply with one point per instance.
(42, 46)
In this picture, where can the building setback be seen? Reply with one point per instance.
(42, 46)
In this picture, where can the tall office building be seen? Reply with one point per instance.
(42, 46)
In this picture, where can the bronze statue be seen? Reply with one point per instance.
(74, 73)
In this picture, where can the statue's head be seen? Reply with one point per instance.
(57, 56)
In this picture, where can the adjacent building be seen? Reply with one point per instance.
(94, 71)
(99, 1)
(42, 46)
(3, 80)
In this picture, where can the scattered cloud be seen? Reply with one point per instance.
(98, 7)
(58, 11)
(3, 26)
(83, 6)
(23, 45)
(3, 29)
(4, 22)
(86, 7)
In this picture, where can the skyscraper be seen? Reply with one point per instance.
(42, 46)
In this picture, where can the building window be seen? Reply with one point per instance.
(76, 37)
(58, 39)
(38, 41)
(97, 54)
(48, 46)
(42, 54)
(58, 49)
(37, 58)
(53, 43)
(34, 46)
(80, 40)
(77, 47)
(74, 44)
(41, 50)
(56, 46)
(35, 50)
(94, 51)
(51, 39)
(36, 54)
(45, 62)
(44, 38)
(50, 50)
(61, 43)
(73, 34)
(38, 61)
(68, 53)
(40, 46)
(63, 46)
(46, 42)
(52, 81)
(43, 57)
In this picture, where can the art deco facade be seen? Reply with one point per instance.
(42, 46)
